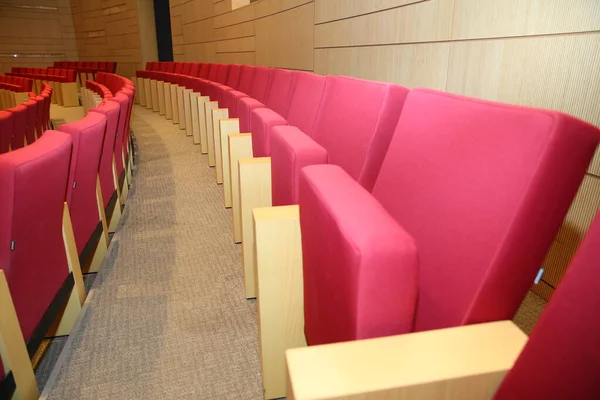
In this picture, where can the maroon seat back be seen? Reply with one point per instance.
(561, 360)
(32, 252)
(469, 180)
(6, 130)
(19, 118)
(246, 79)
(308, 91)
(260, 84)
(213, 72)
(111, 111)
(222, 73)
(235, 72)
(32, 110)
(280, 91)
(88, 135)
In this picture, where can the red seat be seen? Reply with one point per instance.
(277, 98)
(19, 119)
(31, 116)
(32, 253)
(351, 132)
(6, 131)
(251, 78)
(459, 217)
(111, 111)
(119, 149)
(88, 135)
(307, 91)
(561, 360)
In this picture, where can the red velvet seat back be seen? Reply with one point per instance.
(471, 181)
(40, 115)
(235, 72)
(6, 130)
(88, 135)
(204, 70)
(308, 91)
(195, 69)
(123, 102)
(33, 182)
(111, 111)
(187, 67)
(280, 92)
(32, 110)
(356, 131)
(178, 68)
(260, 84)
(246, 79)
(213, 72)
(19, 119)
(562, 358)
(223, 73)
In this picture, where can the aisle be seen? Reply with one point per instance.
(167, 316)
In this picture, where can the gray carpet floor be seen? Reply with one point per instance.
(167, 317)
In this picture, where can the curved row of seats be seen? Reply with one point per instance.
(23, 84)
(61, 196)
(87, 70)
(24, 123)
(14, 90)
(63, 81)
(418, 209)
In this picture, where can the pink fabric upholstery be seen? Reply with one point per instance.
(235, 73)
(246, 78)
(204, 70)
(294, 150)
(262, 121)
(261, 84)
(368, 258)
(40, 115)
(278, 98)
(31, 106)
(307, 91)
(19, 118)
(34, 182)
(6, 130)
(118, 150)
(562, 358)
(355, 132)
(230, 101)
(213, 72)
(222, 73)
(469, 181)
(111, 111)
(88, 135)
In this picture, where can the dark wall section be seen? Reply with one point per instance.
(162, 16)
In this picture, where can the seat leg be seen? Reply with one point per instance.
(154, 93)
(168, 103)
(148, 92)
(160, 86)
(279, 287)
(181, 107)
(218, 114)
(201, 106)
(174, 106)
(187, 111)
(228, 127)
(255, 192)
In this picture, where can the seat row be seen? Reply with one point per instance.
(61, 196)
(87, 69)
(63, 81)
(24, 123)
(418, 210)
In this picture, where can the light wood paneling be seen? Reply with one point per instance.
(244, 29)
(39, 36)
(502, 18)
(265, 8)
(331, 10)
(236, 45)
(286, 40)
(198, 32)
(421, 22)
(111, 31)
(415, 65)
(238, 16)
(236, 58)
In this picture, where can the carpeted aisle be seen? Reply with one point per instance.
(167, 317)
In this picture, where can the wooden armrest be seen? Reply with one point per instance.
(456, 363)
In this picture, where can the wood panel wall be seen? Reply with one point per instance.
(44, 34)
(109, 30)
(529, 52)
